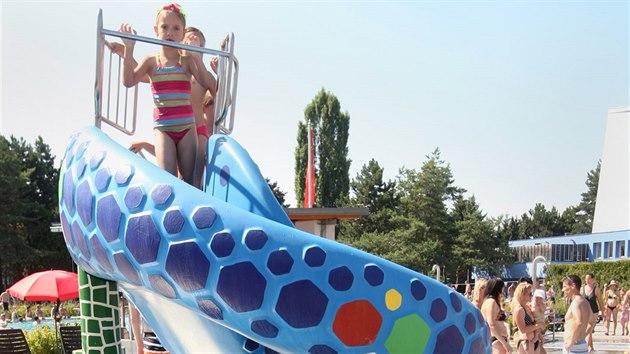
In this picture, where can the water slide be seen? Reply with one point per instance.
(223, 270)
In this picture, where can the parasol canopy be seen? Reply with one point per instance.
(49, 285)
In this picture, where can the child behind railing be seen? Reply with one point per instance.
(170, 74)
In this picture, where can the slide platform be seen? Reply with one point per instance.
(223, 270)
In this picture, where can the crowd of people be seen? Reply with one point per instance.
(13, 312)
(528, 303)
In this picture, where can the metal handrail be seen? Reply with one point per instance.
(227, 77)
(225, 99)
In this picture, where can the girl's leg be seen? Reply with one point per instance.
(186, 155)
(607, 320)
(614, 312)
(165, 152)
(200, 163)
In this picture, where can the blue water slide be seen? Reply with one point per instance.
(224, 270)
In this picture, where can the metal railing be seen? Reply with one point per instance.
(121, 113)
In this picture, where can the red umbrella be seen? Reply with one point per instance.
(48, 285)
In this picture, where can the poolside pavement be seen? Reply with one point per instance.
(601, 342)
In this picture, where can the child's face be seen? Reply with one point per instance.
(194, 38)
(169, 27)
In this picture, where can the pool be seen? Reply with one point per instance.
(30, 325)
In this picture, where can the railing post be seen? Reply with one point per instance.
(98, 82)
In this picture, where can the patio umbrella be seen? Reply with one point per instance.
(49, 285)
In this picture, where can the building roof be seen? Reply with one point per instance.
(304, 214)
(575, 239)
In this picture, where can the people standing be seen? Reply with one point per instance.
(539, 308)
(612, 307)
(478, 292)
(494, 314)
(626, 305)
(577, 317)
(6, 299)
(170, 74)
(527, 335)
(593, 294)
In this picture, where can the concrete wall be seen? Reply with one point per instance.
(323, 228)
(612, 210)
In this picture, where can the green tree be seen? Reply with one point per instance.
(424, 219)
(13, 235)
(28, 207)
(540, 222)
(507, 228)
(425, 196)
(277, 192)
(370, 191)
(585, 211)
(301, 160)
(330, 128)
(477, 247)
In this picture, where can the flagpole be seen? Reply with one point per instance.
(309, 170)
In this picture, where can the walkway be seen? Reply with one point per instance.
(601, 342)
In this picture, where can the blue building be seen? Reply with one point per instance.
(603, 246)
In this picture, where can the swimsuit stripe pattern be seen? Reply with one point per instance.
(171, 95)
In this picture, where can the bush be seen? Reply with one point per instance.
(43, 340)
(604, 272)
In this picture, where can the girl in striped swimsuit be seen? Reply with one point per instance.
(169, 73)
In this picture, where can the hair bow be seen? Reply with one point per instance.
(173, 7)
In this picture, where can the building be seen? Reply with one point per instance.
(603, 246)
(611, 223)
(322, 221)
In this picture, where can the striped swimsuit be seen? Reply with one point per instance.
(173, 112)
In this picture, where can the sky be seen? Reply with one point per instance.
(515, 94)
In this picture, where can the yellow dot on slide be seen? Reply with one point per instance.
(392, 299)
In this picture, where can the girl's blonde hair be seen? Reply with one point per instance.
(176, 8)
(478, 290)
(520, 292)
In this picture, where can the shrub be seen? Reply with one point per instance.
(43, 340)
(604, 272)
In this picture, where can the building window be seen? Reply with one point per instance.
(557, 253)
(621, 249)
(608, 250)
(597, 250)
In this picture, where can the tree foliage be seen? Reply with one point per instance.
(540, 222)
(423, 219)
(29, 186)
(277, 192)
(330, 129)
(584, 212)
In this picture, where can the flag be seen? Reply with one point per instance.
(309, 181)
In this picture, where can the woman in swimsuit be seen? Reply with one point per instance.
(495, 316)
(625, 313)
(626, 306)
(612, 307)
(478, 292)
(593, 294)
(526, 337)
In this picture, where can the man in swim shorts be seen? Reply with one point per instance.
(577, 317)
